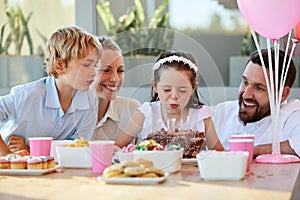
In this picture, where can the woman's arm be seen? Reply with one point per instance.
(134, 127)
(212, 139)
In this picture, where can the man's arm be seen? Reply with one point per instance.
(285, 148)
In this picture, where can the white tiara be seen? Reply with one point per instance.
(170, 59)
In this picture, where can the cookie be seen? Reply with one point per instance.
(142, 161)
(129, 163)
(149, 175)
(110, 172)
(159, 172)
(134, 170)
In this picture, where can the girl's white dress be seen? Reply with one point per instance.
(153, 119)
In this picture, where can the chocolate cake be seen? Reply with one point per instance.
(191, 141)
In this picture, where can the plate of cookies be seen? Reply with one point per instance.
(136, 171)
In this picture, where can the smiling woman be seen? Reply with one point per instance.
(113, 112)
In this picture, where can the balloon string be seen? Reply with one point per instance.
(271, 81)
(288, 65)
(285, 57)
(261, 59)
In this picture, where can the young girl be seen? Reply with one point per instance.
(58, 105)
(174, 104)
(113, 112)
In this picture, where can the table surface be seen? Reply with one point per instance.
(266, 181)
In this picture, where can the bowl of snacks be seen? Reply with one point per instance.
(126, 153)
(74, 154)
(233, 165)
(166, 158)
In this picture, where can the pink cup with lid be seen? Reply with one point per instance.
(40, 146)
(242, 136)
(101, 153)
(243, 145)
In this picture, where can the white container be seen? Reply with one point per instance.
(222, 165)
(74, 157)
(54, 144)
(168, 161)
(121, 156)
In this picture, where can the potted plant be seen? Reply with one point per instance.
(131, 32)
(238, 63)
(140, 43)
(16, 68)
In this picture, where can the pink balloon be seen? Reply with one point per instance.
(297, 31)
(271, 18)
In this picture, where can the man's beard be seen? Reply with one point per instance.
(260, 112)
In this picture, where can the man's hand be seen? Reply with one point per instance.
(17, 143)
(285, 148)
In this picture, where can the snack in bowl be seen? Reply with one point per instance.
(81, 142)
(137, 168)
(74, 155)
(167, 158)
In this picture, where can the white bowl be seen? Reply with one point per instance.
(54, 144)
(218, 165)
(121, 156)
(74, 157)
(168, 161)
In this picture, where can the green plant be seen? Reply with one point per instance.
(18, 25)
(248, 44)
(132, 34)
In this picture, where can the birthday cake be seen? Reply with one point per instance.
(190, 141)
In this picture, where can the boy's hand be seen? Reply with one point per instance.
(17, 143)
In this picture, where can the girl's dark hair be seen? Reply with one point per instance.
(194, 101)
(291, 75)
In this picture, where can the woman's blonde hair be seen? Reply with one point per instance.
(69, 43)
(109, 43)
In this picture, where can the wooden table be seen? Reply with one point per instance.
(266, 181)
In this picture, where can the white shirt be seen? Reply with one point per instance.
(154, 121)
(227, 123)
(34, 110)
(116, 118)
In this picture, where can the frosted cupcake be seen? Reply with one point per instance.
(50, 162)
(4, 163)
(44, 162)
(18, 163)
(34, 163)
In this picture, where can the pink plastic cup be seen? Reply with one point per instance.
(243, 145)
(102, 152)
(40, 146)
(242, 136)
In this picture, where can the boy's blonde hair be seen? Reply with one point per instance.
(69, 43)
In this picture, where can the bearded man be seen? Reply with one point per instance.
(251, 113)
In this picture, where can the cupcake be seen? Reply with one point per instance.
(50, 162)
(34, 163)
(4, 163)
(44, 162)
(18, 163)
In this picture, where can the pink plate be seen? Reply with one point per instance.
(276, 158)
